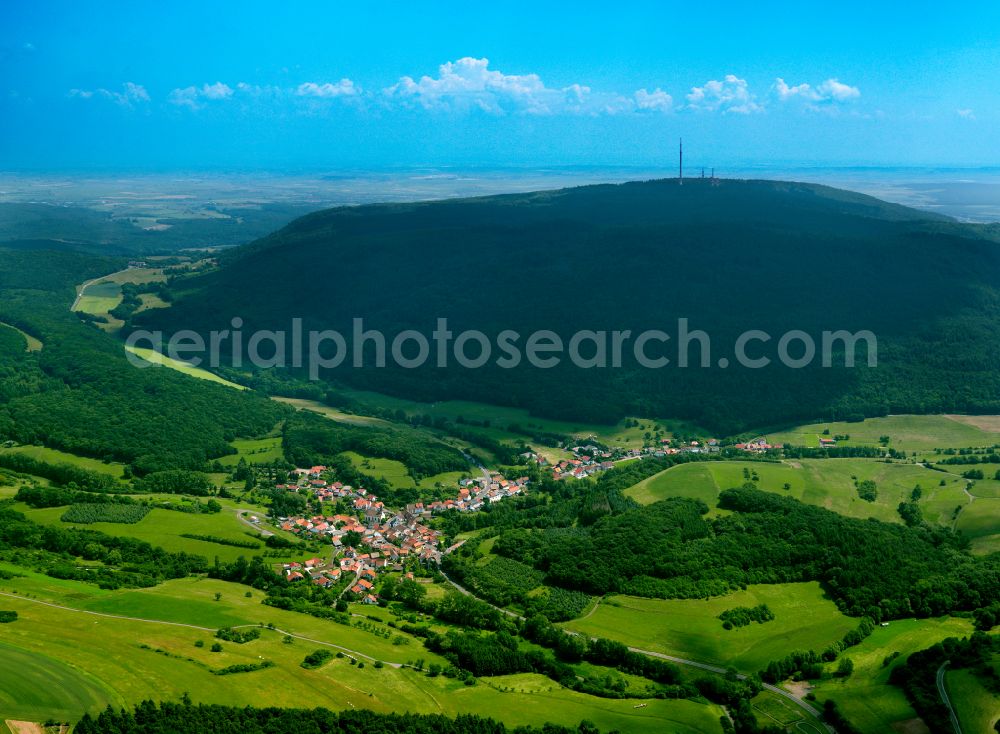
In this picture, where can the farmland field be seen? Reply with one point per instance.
(164, 528)
(54, 456)
(906, 432)
(255, 451)
(395, 473)
(136, 660)
(977, 708)
(827, 483)
(980, 522)
(866, 697)
(36, 687)
(689, 628)
(100, 298)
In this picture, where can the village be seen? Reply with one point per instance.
(589, 459)
(391, 537)
(377, 539)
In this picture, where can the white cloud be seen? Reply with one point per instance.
(193, 97)
(729, 95)
(343, 88)
(966, 114)
(130, 95)
(469, 83)
(831, 90)
(655, 101)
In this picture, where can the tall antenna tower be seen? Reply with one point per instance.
(680, 163)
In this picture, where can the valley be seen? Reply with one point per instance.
(520, 560)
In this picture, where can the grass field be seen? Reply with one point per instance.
(980, 521)
(35, 687)
(977, 708)
(826, 483)
(395, 473)
(255, 451)
(54, 456)
(689, 628)
(918, 433)
(866, 697)
(31, 343)
(123, 671)
(100, 298)
(163, 360)
(164, 528)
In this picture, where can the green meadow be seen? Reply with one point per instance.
(395, 472)
(54, 456)
(255, 451)
(100, 298)
(34, 686)
(918, 433)
(689, 628)
(978, 709)
(973, 509)
(866, 697)
(164, 528)
(827, 483)
(127, 661)
(162, 360)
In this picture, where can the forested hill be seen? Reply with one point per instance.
(730, 257)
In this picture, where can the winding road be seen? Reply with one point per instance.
(944, 697)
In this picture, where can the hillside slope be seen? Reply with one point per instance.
(741, 255)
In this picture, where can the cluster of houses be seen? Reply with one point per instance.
(390, 537)
(588, 459)
(474, 494)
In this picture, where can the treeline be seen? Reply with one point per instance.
(174, 481)
(127, 562)
(64, 474)
(918, 675)
(669, 549)
(105, 512)
(309, 439)
(59, 496)
(166, 718)
(809, 664)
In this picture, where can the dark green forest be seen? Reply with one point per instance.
(744, 255)
(80, 394)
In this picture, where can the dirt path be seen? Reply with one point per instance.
(24, 727)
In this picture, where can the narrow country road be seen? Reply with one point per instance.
(944, 697)
(241, 516)
(682, 661)
(346, 650)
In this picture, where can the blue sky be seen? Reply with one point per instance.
(320, 85)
